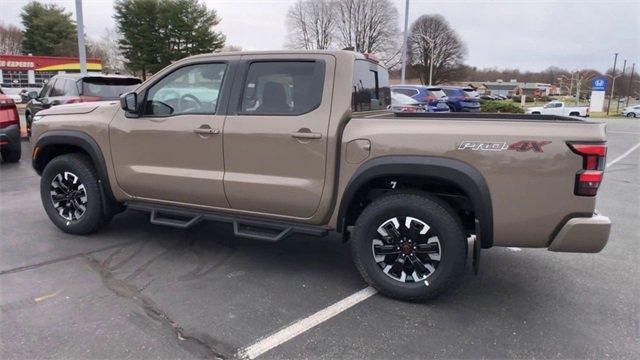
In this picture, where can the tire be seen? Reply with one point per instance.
(11, 155)
(75, 173)
(535, 113)
(29, 121)
(631, 115)
(381, 271)
(574, 114)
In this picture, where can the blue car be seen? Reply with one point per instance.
(431, 97)
(462, 98)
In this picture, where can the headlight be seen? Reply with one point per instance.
(37, 117)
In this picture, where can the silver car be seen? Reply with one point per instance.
(631, 111)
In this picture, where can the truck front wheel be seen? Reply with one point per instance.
(409, 246)
(71, 195)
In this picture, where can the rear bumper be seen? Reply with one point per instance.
(10, 137)
(585, 235)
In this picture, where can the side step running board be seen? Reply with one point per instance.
(251, 228)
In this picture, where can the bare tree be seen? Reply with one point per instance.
(311, 24)
(106, 49)
(435, 50)
(368, 26)
(231, 48)
(10, 40)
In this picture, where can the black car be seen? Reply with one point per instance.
(76, 88)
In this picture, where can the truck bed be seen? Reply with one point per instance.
(383, 114)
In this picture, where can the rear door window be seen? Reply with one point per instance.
(282, 87)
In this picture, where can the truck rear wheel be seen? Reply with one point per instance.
(71, 195)
(409, 246)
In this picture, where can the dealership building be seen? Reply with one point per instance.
(19, 72)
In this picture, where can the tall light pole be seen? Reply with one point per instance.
(404, 42)
(431, 46)
(613, 82)
(624, 67)
(82, 52)
(633, 69)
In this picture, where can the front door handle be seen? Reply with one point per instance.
(206, 131)
(301, 134)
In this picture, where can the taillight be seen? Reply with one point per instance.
(7, 103)
(593, 163)
(73, 100)
(8, 113)
(87, 98)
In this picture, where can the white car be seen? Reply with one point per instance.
(631, 111)
(17, 99)
(559, 108)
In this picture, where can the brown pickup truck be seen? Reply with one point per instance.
(278, 143)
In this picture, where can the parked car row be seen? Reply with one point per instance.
(631, 111)
(77, 88)
(493, 97)
(423, 98)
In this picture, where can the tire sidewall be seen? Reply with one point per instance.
(452, 242)
(92, 216)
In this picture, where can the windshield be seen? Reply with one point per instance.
(108, 88)
(470, 92)
(400, 99)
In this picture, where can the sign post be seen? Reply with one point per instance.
(598, 87)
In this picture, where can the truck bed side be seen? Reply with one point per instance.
(532, 193)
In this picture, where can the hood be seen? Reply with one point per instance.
(77, 108)
(538, 108)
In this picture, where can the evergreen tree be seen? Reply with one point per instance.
(157, 32)
(48, 30)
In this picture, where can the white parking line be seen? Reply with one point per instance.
(626, 153)
(302, 325)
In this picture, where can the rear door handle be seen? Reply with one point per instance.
(206, 131)
(306, 135)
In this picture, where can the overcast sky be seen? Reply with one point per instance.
(529, 35)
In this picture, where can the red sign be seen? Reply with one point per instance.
(46, 63)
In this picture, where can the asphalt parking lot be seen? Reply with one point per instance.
(135, 290)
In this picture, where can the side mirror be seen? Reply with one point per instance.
(129, 102)
(32, 95)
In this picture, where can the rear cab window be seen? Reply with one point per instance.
(107, 88)
(288, 87)
(370, 87)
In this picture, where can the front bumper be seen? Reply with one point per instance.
(581, 234)
(10, 137)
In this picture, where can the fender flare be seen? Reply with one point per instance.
(78, 139)
(461, 174)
